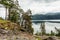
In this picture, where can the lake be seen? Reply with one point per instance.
(48, 26)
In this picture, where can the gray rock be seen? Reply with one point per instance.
(51, 38)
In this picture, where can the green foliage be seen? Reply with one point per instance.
(47, 34)
(7, 3)
(52, 33)
(43, 31)
(58, 31)
(38, 33)
(27, 24)
(1, 18)
(15, 17)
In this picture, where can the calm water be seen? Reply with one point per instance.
(48, 26)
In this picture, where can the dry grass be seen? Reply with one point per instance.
(8, 25)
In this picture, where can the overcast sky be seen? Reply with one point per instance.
(37, 6)
(2, 11)
(40, 6)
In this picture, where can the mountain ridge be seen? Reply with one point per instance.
(48, 16)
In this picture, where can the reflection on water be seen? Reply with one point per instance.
(48, 26)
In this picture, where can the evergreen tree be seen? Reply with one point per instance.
(52, 33)
(14, 10)
(27, 24)
(7, 4)
(43, 31)
(14, 13)
(57, 31)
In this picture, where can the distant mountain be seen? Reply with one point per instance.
(48, 16)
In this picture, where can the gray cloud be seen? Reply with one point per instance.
(40, 6)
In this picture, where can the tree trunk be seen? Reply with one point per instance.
(6, 14)
(9, 14)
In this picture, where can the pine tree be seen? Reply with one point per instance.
(43, 31)
(27, 24)
(7, 4)
(52, 33)
(14, 13)
(58, 31)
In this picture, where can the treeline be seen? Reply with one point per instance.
(43, 31)
(16, 14)
(47, 16)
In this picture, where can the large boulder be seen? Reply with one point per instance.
(51, 38)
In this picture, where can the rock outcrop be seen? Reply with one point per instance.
(11, 31)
